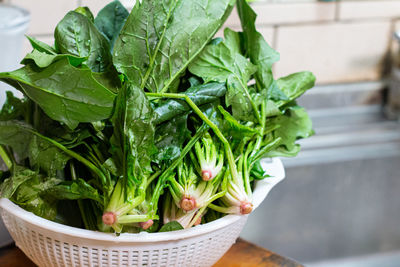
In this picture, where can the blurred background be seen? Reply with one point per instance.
(340, 202)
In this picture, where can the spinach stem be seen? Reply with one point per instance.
(76, 156)
(161, 180)
(5, 157)
(228, 150)
(262, 129)
(80, 202)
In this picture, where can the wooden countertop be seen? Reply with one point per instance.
(242, 254)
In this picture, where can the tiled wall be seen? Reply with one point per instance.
(343, 41)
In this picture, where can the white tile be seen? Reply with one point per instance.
(369, 9)
(45, 14)
(289, 13)
(282, 13)
(335, 52)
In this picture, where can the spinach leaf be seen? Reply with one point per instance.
(295, 85)
(256, 48)
(29, 197)
(171, 226)
(44, 156)
(17, 135)
(257, 172)
(13, 108)
(223, 63)
(77, 35)
(11, 184)
(111, 19)
(25, 187)
(294, 124)
(160, 39)
(234, 128)
(133, 138)
(43, 60)
(86, 12)
(169, 139)
(199, 94)
(41, 47)
(282, 151)
(65, 93)
(74, 190)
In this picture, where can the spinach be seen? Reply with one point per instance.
(86, 12)
(41, 47)
(43, 60)
(171, 226)
(65, 93)
(224, 63)
(127, 112)
(20, 176)
(110, 20)
(160, 39)
(17, 135)
(73, 190)
(169, 139)
(25, 187)
(46, 157)
(77, 35)
(294, 85)
(133, 138)
(257, 49)
(199, 94)
(13, 108)
(293, 124)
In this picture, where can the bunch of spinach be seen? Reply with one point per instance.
(134, 118)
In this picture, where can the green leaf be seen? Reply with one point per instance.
(169, 139)
(199, 94)
(294, 124)
(160, 39)
(257, 172)
(133, 138)
(111, 19)
(13, 108)
(281, 151)
(256, 48)
(46, 157)
(223, 63)
(74, 190)
(86, 12)
(11, 184)
(171, 226)
(25, 187)
(28, 196)
(17, 135)
(235, 128)
(65, 93)
(295, 85)
(42, 154)
(43, 60)
(41, 47)
(77, 35)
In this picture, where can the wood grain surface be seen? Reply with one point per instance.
(242, 254)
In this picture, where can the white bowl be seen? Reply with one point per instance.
(48, 243)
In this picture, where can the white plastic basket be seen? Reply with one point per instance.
(48, 243)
